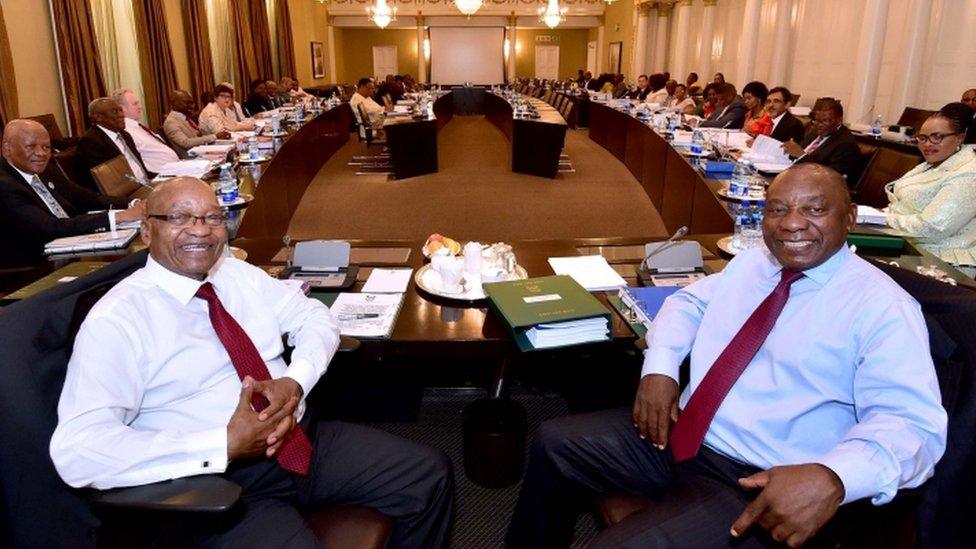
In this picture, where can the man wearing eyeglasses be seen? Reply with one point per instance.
(828, 142)
(179, 371)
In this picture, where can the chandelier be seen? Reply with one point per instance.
(552, 15)
(381, 14)
(468, 7)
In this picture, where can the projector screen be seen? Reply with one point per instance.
(467, 54)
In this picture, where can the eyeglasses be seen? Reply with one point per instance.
(933, 138)
(185, 219)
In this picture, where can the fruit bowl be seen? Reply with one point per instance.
(436, 242)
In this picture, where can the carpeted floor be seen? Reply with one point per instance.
(476, 196)
(481, 514)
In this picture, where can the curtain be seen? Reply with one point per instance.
(81, 72)
(271, 6)
(252, 45)
(261, 39)
(115, 30)
(198, 47)
(156, 58)
(286, 44)
(8, 85)
(221, 26)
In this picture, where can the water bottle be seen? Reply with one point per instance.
(228, 184)
(276, 144)
(299, 114)
(276, 124)
(876, 127)
(697, 142)
(739, 184)
(742, 221)
(672, 122)
(757, 223)
(252, 148)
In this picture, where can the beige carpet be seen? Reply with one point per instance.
(476, 196)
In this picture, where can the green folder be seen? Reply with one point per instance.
(67, 273)
(523, 304)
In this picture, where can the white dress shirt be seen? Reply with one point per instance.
(659, 97)
(844, 379)
(155, 153)
(374, 110)
(150, 388)
(777, 119)
(129, 155)
(37, 185)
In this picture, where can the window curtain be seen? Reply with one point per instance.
(252, 43)
(271, 7)
(8, 85)
(221, 27)
(156, 60)
(286, 44)
(198, 47)
(115, 30)
(81, 72)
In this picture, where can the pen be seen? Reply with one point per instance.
(357, 316)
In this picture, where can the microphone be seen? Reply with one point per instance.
(138, 180)
(669, 243)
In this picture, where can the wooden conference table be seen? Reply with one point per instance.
(537, 143)
(413, 141)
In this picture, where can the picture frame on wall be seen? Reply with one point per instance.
(616, 51)
(318, 60)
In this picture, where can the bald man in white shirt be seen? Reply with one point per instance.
(154, 150)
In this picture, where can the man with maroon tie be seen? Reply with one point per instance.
(811, 386)
(179, 370)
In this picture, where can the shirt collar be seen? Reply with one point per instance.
(27, 176)
(820, 274)
(778, 118)
(182, 288)
(111, 135)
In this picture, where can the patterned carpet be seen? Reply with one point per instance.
(482, 514)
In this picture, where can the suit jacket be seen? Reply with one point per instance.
(840, 152)
(181, 135)
(256, 104)
(971, 133)
(27, 224)
(95, 147)
(592, 84)
(732, 117)
(789, 127)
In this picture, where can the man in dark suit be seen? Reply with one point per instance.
(107, 139)
(786, 127)
(589, 83)
(969, 99)
(34, 203)
(643, 89)
(828, 142)
(730, 113)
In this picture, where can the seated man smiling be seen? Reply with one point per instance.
(179, 370)
(811, 387)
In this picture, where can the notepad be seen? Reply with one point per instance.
(91, 242)
(387, 281)
(589, 271)
(645, 302)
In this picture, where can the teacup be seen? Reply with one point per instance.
(451, 269)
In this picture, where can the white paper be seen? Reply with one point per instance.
(387, 281)
(590, 271)
(366, 315)
(766, 150)
(215, 149)
(871, 216)
(187, 168)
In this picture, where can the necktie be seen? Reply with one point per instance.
(814, 144)
(193, 126)
(48, 198)
(152, 133)
(295, 454)
(694, 420)
(131, 158)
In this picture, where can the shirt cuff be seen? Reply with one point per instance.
(206, 451)
(302, 371)
(659, 360)
(111, 219)
(851, 462)
(211, 138)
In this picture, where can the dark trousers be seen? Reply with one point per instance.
(352, 465)
(576, 457)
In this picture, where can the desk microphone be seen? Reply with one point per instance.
(139, 181)
(670, 242)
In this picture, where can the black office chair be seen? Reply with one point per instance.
(940, 512)
(37, 509)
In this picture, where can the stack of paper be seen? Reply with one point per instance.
(387, 281)
(589, 271)
(767, 154)
(570, 332)
(186, 168)
(870, 216)
(91, 242)
(218, 150)
(366, 315)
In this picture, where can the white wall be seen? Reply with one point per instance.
(824, 40)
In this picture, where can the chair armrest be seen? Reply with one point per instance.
(348, 344)
(205, 493)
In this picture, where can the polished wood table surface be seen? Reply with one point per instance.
(537, 143)
(413, 140)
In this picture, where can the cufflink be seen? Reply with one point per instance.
(50, 185)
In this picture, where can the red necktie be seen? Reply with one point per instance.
(295, 454)
(193, 126)
(150, 132)
(694, 420)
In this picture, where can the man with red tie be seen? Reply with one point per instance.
(179, 370)
(829, 142)
(811, 386)
(181, 128)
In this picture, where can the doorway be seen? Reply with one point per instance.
(384, 61)
(547, 62)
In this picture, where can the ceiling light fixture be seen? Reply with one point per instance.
(468, 7)
(552, 15)
(381, 14)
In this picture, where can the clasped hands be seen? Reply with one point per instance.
(251, 433)
(794, 501)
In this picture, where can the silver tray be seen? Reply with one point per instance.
(429, 280)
